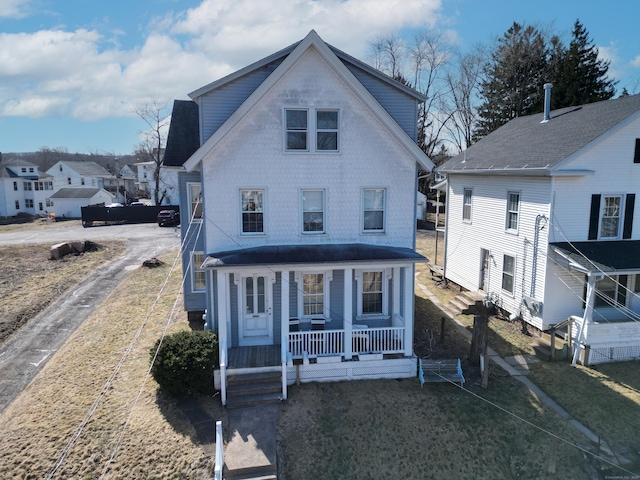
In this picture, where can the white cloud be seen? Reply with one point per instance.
(14, 8)
(85, 74)
(636, 62)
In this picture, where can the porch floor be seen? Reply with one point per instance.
(253, 357)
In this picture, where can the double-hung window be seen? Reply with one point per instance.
(372, 293)
(194, 191)
(610, 216)
(327, 130)
(466, 205)
(296, 122)
(373, 206)
(513, 210)
(199, 274)
(27, 186)
(611, 291)
(28, 203)
(313, 207)
(252, 208)
(312, 294)
(508, 272)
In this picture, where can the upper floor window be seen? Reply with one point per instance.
(252, 208)
(27, 186)
(466, 205)
(31, 170)
(82, 181)
(199, 274)
(15, 186)
(508, 272)
(373, 206)
(313, 206)
(300, 127)
(23, 169)
(68, 180)
(60, 167)
(610, 216)
(513, 210)
(194, 192)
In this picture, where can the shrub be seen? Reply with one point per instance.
(186, 361)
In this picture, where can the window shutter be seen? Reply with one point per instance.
(628, 215)
(595, 216)
(636, 154)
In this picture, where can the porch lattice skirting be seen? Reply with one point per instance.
(603, 354)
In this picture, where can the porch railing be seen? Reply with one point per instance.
(331, 342)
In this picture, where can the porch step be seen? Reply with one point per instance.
(464, 303)
(247, 390)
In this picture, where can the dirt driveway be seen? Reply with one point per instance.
(28, 350)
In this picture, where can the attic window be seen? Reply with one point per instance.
(636, 155)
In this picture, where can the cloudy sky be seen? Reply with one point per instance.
(72, 71)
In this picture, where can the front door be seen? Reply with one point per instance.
(255, 322)
(484, 269)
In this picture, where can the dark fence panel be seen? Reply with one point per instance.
(135, 214)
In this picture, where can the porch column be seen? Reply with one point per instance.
(348, 313)
(588, 313)
(284, 327)
(408, 310)
(395, 313)
(223, 318)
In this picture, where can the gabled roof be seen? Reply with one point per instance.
(184, 133)
(312, 40)
(526, 146)
(15, 162)
(89, 169)
(311, 254)
(76, 192)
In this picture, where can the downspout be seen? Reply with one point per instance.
(588, 313)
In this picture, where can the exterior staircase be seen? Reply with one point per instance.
(542, 347)
(464, 303)
(250, 389)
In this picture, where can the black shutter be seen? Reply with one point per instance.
(584, 292)
(636, 154)
(628, 215)
(595, 216)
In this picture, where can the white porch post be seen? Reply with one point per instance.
(408, 310)
(284, 327)
(396, 295)
(348, 313)
(222, 302)
(588, 314)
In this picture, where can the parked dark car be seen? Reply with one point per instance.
(168, 217)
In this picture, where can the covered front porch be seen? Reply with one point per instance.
(327, 309)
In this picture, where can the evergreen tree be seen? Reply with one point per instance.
(583, 77)
(513, 78)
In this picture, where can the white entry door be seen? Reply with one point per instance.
(255, 322)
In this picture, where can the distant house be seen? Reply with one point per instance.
(24, 188)
(67, 202)
(298, 179)
(541, 218)
(80, 174)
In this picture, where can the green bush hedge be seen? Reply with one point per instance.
(186, 361)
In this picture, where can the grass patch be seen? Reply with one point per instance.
(159, 441)
(29, 281)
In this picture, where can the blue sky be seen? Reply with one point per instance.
(72, 71)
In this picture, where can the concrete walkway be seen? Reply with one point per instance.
(519, 372)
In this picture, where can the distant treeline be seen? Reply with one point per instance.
(45, 158)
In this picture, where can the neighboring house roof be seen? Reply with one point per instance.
(184, 135)
(89, 169)
(16, 162)
(76, 192)
(527, 145)
(606, 256)
(311, 254)
(312, 40)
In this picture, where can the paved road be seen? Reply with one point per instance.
(28, 350)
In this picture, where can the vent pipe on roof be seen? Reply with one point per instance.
(547, 102)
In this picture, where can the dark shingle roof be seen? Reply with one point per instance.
(184, 133)
(75, 193)
(607, 256)
(526, 144)
(312, 254)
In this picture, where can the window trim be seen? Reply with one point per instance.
(359, 276)
(327, 278)
(196, 270)
(324, 211)
(312, 130)
(467, 218)
(190, 202)
(512, 273)
(263, 212)
(510, 212)
(327, 130)
(620, 216)
(287, 130)
(363, 228)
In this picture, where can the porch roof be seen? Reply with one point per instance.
(311, 254)
(607, 256)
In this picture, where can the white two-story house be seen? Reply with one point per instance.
(541, 218)
(24, 189)
(298, 202)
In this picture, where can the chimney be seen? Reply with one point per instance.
(547, 102)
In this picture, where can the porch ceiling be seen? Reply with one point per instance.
(607, 256)
(311, 254)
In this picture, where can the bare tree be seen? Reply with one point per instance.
(388, 54)
(156, 115)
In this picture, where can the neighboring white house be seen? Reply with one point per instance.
(67, 202)
(299, 214)
(169, 190)
(144, 173)
(24, 189)
(79, 174)
(540, 217)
